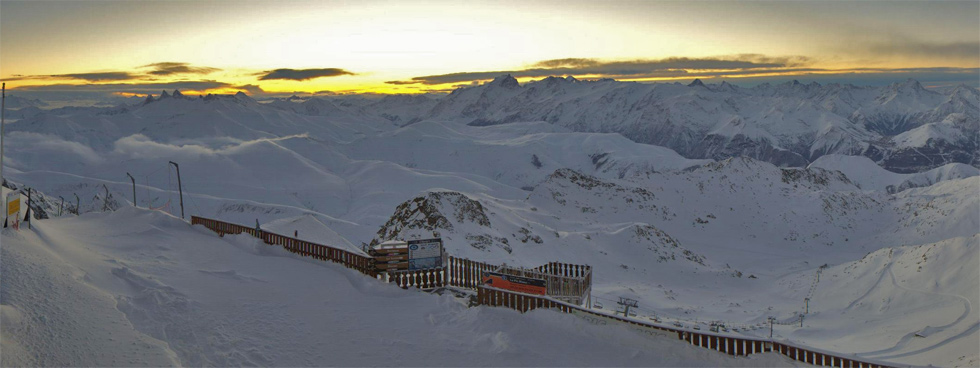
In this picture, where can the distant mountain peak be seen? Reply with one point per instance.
(909, 84)
(505, 81)
(164, 94)
(177, 94)
(696, 83)
(243, 96)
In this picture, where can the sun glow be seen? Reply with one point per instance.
(228, 48)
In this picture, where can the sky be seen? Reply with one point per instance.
(284, 47)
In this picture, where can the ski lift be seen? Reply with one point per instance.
(597, 305)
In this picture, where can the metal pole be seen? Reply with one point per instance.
(77, 209)
(28, 217)
(806, 308)
(3, 113)
(134, 188)
(62, 207)
(105, 201)
(180, 188)
(770, 327)
(801, 320)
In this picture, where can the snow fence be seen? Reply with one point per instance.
(465, 273)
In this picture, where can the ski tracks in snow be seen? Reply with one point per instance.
(908, 338)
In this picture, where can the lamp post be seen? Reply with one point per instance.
(134, 188)
(180, 188)
(3, 110)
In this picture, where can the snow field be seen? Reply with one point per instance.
(176, 294)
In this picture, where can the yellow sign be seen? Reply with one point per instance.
(13, 207)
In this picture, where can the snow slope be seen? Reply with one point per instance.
(737, 240)
(869, 176)
(140, 288)
(789, 124)
(929, 291)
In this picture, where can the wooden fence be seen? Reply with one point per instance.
(458, 272)
(732, 345)
(318, 251)
(465, 273)
(570, 282)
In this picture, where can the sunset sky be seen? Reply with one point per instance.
(123, 47)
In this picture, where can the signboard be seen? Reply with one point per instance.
(424, 254)
(516, 283)
(13, 204)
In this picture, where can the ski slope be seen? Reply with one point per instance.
(141, 288)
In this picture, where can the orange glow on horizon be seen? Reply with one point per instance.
(367, 83)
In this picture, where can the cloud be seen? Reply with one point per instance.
(908, 47)
(200, 85)
(33, 147)
(302, 74)
(870, 77)
(97, 77)
(632, 69)
(399, 83)
(744, 67)
(89, 93)
(158, 69)
(139, 146)
(171, 68)
(251, 89)
(91, 77)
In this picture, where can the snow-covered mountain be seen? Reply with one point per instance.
(868, 175)
(740, 240)
(789, 124)
(902, 127)
(541, 172)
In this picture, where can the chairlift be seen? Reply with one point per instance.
(597, 305)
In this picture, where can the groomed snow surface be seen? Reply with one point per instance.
(141, 288)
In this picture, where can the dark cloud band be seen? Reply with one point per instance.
(141, 88)
(634, 69)
(171, 68)
(90, 77)
(302, 74)
(158, 69)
